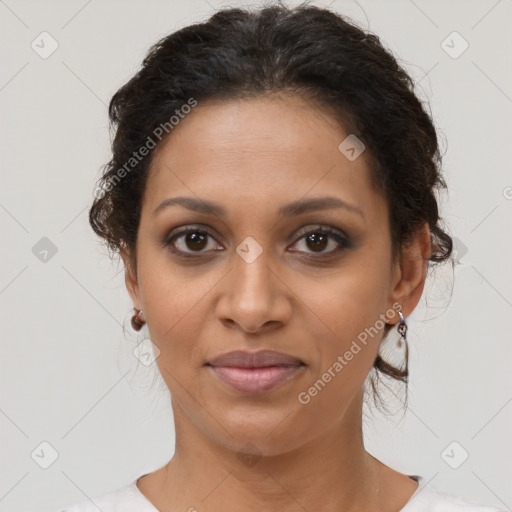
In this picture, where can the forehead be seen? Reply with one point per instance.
(257, 149)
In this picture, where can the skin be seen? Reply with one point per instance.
(252, 157)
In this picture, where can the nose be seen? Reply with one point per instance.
(254, 298)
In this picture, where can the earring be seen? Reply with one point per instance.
(402, 330)
(137, 320)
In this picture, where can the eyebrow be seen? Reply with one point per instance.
(289, 210)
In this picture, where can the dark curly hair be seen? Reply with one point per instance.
(306, 51)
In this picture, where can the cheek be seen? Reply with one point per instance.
(349, 301)
(347, 327)
(175, 304)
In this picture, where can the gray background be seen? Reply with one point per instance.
(68, 374)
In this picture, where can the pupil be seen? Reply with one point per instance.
(197, 240)
(319, 240)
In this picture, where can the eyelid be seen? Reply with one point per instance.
(320, 227)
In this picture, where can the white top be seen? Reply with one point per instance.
(425, 499)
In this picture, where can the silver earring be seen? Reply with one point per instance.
(402, 330)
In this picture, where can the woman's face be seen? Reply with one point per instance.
(263, 275)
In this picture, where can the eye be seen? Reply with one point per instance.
(189, 241)
(320, 239)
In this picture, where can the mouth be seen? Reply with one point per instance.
(255, 372)
(255, 380)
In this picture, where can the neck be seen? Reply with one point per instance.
(332, 471)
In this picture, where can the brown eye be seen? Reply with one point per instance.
(317, 241)
(195, 241)
(189, 241)
(323, 241)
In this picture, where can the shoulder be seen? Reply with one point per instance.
(429, 499)
(124, 499)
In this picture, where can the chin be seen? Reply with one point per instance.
(264, 434)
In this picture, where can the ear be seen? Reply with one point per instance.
(410, 272)
(130, 278)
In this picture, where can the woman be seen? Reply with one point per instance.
(272, 196)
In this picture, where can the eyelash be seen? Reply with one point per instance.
(339, 237)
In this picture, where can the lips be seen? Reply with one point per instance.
(255, 372)
(261, 359)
